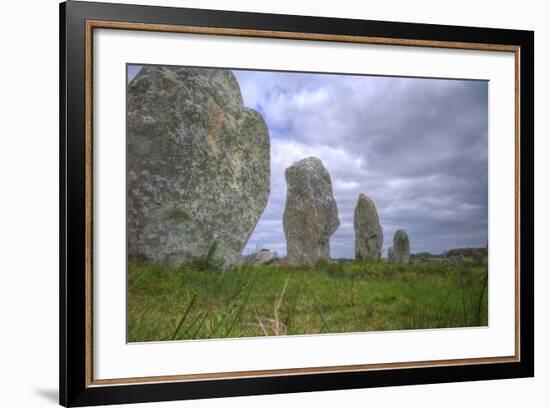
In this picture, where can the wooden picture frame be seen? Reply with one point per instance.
(78, 20)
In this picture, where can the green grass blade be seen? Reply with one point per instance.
(184, 316)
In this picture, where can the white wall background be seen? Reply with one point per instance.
(29, 204)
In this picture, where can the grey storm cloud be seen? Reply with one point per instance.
(416, 146)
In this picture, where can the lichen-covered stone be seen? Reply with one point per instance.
(368, 231)
(391, 254)
(478, 258)
(198, 166)
(261, 257)
(457, 260)
(311, 214)
(401, 247)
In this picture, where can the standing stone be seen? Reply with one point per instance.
(391, 254)
(478, 258)
(198, 166)
(401, 246)
(457, 260)
(311, 214)
(368, 232)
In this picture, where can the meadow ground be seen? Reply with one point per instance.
(265, 300)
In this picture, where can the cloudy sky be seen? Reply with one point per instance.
(417, 147)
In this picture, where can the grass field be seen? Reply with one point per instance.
(266, 300)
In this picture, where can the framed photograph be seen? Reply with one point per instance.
(257, 204)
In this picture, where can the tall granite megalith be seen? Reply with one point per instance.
(368, 231)
(198, 166)
(311, 214)
(401, 247)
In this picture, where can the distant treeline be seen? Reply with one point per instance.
(466, 252)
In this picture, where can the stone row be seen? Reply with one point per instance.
(311, 217)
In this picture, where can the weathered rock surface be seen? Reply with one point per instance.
(435, 262)
(198, 166)
(478, 258)
(368, 231)
(457, 260)
(391, 254)
(261, 257)
(401, 246)
(311, 214)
